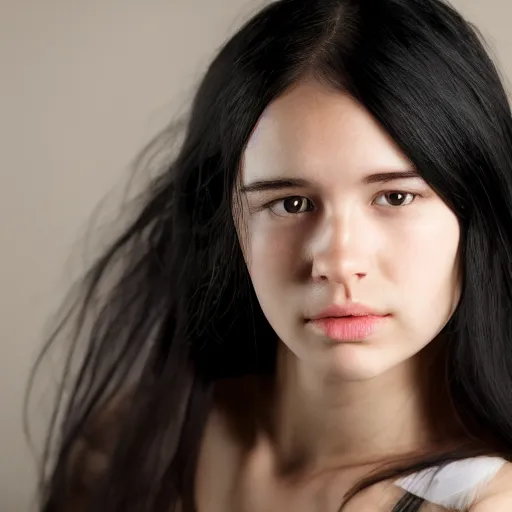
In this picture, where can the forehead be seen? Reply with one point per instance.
(313, 129)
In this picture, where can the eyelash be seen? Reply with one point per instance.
(272, 204)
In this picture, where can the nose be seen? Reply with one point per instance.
(341, 251)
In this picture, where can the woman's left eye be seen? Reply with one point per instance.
(397, 198)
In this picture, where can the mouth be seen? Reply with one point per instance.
(351, 309)
(350, 327)
(350, 322)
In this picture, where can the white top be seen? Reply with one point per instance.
(454, 486)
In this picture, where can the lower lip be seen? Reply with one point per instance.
(349, 328)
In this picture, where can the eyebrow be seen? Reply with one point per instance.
(274, 184)
(286, 183)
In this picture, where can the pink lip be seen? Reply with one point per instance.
(353, 322)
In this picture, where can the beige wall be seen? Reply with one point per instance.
(84, 84)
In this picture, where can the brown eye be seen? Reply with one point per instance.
(397, 198)
(291, 206)
(295, 204)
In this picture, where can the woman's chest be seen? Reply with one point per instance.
(256, 489)
(321, 496)
(266, 497)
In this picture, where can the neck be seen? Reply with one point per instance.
(321, 422)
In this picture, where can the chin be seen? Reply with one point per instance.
(354, 362)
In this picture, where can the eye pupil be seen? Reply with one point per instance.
(396, 198)
(295, 204)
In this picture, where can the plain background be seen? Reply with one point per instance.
(84, 84)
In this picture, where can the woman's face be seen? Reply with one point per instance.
(331, 218)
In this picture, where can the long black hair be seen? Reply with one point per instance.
(169, 308)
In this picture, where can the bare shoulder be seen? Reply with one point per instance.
(227, 438)
(497, 496)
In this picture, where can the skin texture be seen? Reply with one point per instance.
(337, 229)
(350, 243)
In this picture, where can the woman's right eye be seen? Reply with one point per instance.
(291, 206)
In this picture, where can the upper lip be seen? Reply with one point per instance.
(352, 309)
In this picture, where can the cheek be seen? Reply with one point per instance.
(272, 255)
(429, 268)
(272, 261)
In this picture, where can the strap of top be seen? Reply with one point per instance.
(455, 485)
(408, 503)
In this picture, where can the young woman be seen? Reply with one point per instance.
(312, 309)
